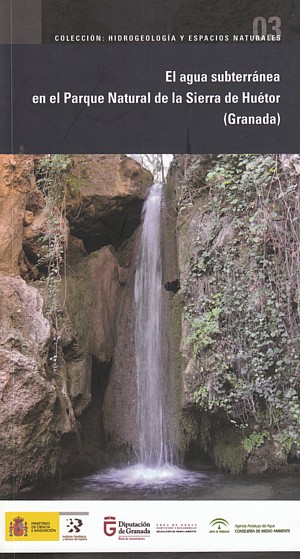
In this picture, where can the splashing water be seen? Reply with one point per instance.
(141, 477)
(155, 452)
(154, 448)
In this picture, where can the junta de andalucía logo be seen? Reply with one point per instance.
(219, 526)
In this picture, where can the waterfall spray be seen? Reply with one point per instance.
(154, 448)
(156, 445)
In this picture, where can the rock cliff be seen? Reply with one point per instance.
(238, 254)
(65, 252)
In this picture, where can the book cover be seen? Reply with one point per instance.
(149, 261)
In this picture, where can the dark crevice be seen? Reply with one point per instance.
(123, 225)
(92, 430)
(100, 375)
(30, 255)
(293, 456)
(173, 286)
(116, 227)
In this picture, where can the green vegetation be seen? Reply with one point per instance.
(255, 440)
(204, 327)
(228, 454)
(241, 294)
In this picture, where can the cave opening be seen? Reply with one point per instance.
(92, 433)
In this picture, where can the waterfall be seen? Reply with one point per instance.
(154, 448)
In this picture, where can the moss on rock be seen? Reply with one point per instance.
(228, 451)
(239, 261)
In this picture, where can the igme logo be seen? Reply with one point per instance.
(109, 525)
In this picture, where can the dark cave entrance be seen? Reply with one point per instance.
(92, 433)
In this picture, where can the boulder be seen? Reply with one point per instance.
(93, 295)
(105, 200)
(36, 412)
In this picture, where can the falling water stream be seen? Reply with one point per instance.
(154, 448)
(154, 452)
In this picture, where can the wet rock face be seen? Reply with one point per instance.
(16, 184)
(112, 191)
(21, 310)
(36, 412)
(120, 402)
(33, 233)
(269, 457)
(51, 410)
(93, 295)
(233, 278)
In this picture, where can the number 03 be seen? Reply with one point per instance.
(260, 25)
